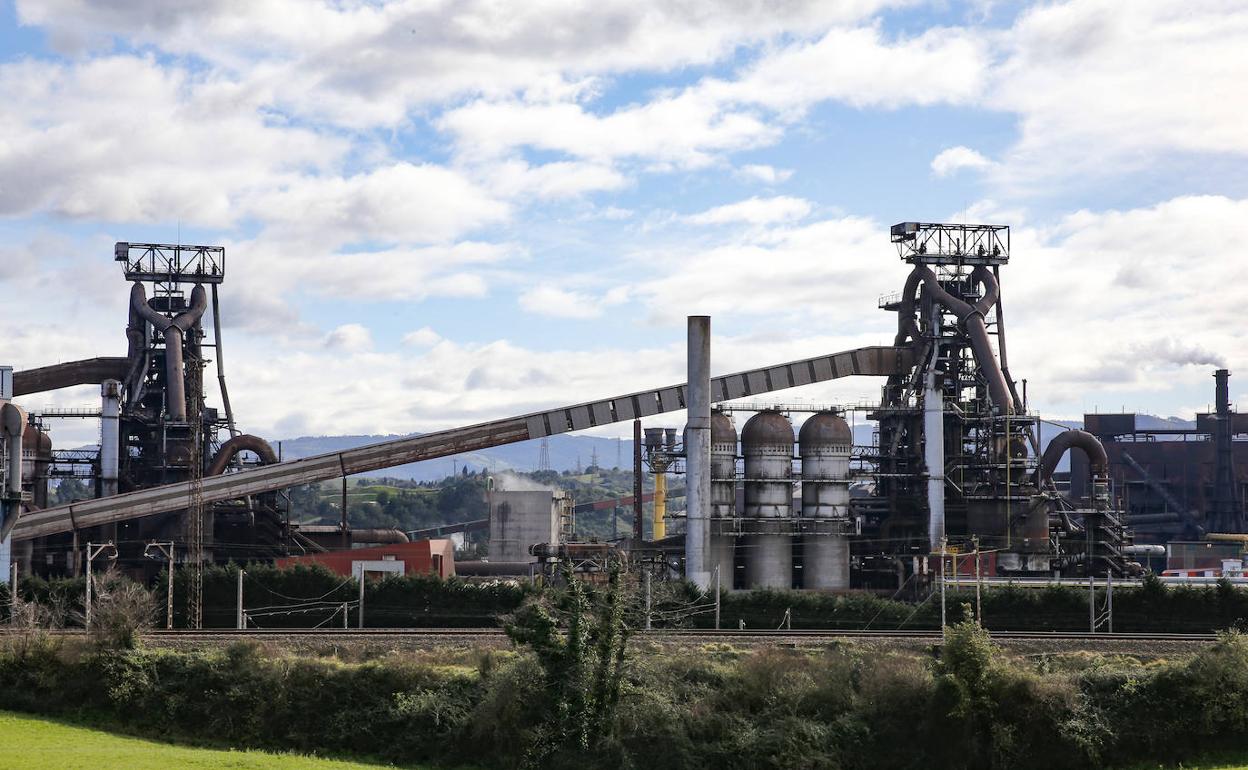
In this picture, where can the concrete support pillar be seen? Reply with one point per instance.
(110, 436)
(698, 453)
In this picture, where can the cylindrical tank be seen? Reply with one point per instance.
(767, 445)
(824, 444)
(723, 497)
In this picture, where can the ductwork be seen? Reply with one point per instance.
(379, 536)
(1073, 439)
(37, 446)
(174, 329)
(12, 424)
(970, 316)
(240, 443)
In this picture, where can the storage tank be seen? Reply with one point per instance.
(767, 444)
(824, 444)
(723, 497)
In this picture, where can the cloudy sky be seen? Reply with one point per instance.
(436, 213)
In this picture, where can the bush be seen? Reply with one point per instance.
(120, 610)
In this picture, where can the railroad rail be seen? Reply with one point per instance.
(701, 634)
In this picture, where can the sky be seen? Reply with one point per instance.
(439, 213)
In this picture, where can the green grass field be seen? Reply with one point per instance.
(41, 744)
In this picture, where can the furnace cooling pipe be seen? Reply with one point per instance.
(240, 443)
(174, 330)
(12, 423)
(1064, 442)
(971, 317)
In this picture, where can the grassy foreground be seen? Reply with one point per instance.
(35, 744)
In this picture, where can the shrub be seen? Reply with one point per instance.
(120, 610)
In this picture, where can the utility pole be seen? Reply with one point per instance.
(361, 617)
(716, 597)
(92, 552)
(647, 578)
(942, 587)
(1091, 599)
(166, 549)
(344, 513)
(1109, 597)
(239, 624)
(979, 608)
(345, 625)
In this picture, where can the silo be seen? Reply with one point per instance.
(767, 444)
(824, 445)
(723, 497)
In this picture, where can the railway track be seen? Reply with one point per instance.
(699, 635)
(755, 637)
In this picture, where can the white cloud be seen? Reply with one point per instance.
(365, 65)
(399, 203)
(825, 272)
(423, 337)
(126, 139)
(954, 159)
(1099, 90)
(349, 337)
(769, 175)
(754, 211)
(560, 303)
(685, 130)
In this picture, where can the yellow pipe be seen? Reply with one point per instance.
(1227, 537)
(660, 505)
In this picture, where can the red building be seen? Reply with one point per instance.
(423, 557)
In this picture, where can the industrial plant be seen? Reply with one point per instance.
(956, 462)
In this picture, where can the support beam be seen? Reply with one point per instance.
(873, 361)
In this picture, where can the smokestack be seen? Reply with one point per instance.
(1226, 509)
(698, 453)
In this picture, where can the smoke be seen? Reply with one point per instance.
(1170, 351)
(507, 481)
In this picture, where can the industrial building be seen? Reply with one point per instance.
(955, 464)
(423, 557)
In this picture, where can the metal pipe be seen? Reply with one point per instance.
(971, 316)
(637, 496)
(240, 443)
(1073, 439)
(220, 356)
(174, 329)
(934, 449)
(379, 535)
(660, 505)
(698, 453)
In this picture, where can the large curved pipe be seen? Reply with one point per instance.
(378, 535)
(174, 330)
(971, 316)
(240, 443)
(1073, 439)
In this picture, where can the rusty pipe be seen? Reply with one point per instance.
(971, 317)
(378, 535)
(240, 443)
(174, 328)
(1073, 439)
